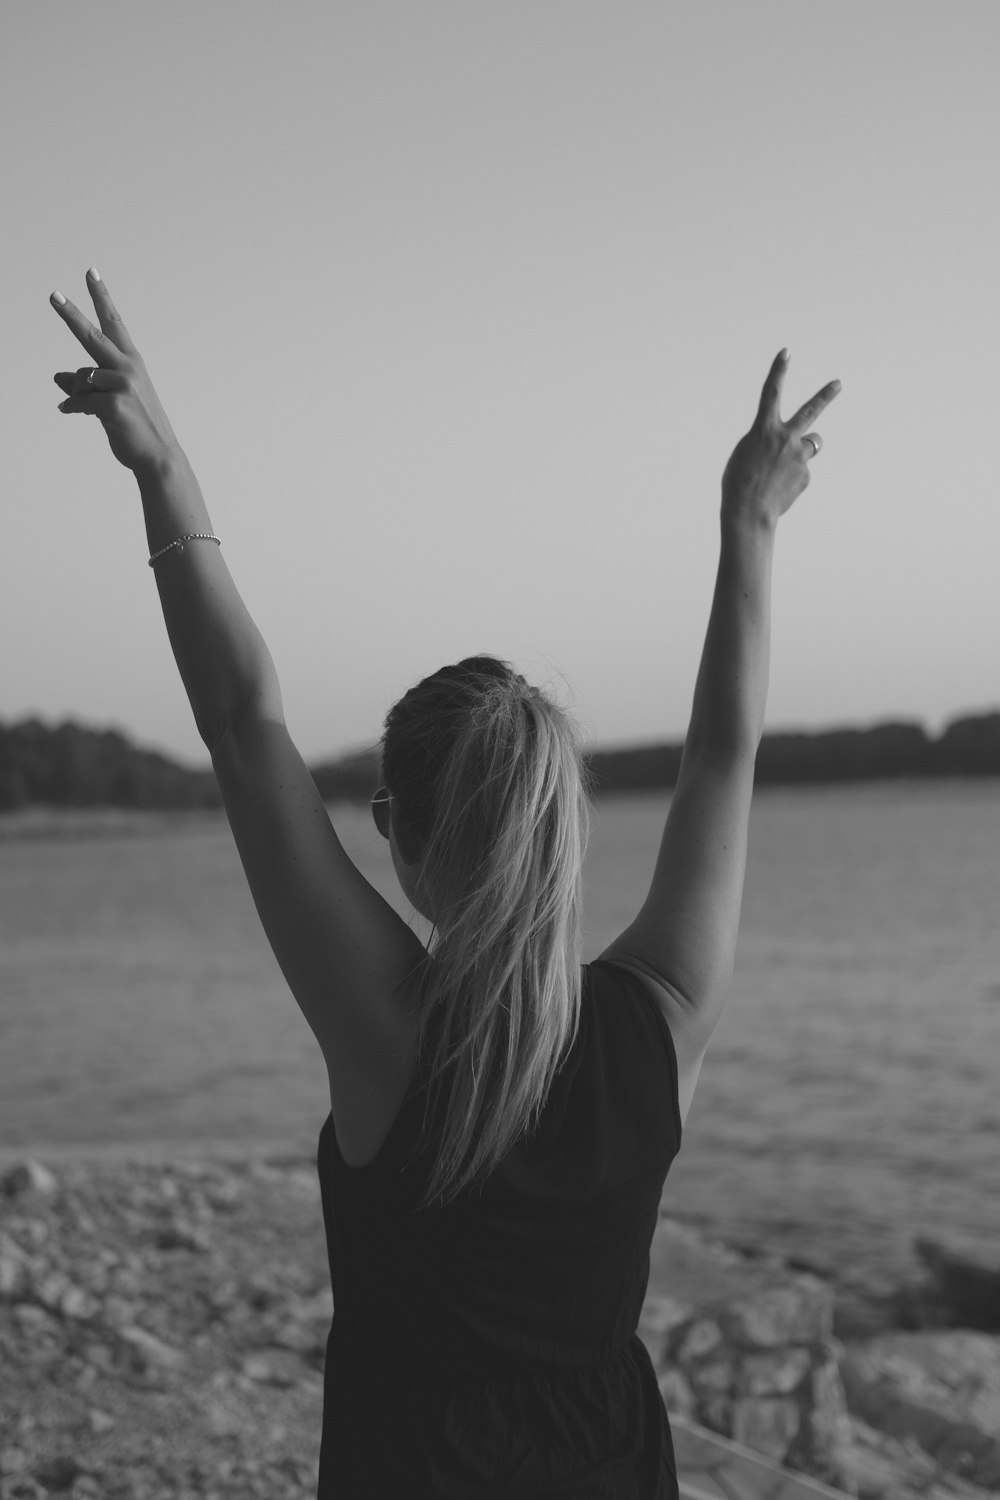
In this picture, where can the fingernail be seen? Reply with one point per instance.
(784, 354)
(63, 405)
(94, 274)
(58, 297)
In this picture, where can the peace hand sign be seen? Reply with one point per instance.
(769, 469)
(116, 389)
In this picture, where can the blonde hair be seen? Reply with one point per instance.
(486, 770)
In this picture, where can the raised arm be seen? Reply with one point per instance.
(683, 940)
(342, 948)
(223, 661)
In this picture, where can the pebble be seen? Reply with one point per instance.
(12, 1459)
(178, 1234)
(224, 1193)
(151, 1351)
(29, 1177)
(58, 1472)
(77, 1303)
(32, 1320)
(272, 1367)
(13, 1277)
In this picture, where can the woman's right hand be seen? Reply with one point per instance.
(769, 467)
(117, 389)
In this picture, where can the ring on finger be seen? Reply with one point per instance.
(90, 376)
(816, 442)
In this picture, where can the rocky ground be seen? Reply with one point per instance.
(162, 1331)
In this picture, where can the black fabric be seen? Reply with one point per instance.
(488, 1348)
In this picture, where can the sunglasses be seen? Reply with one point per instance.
(380, 810)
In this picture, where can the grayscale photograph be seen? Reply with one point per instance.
(500, 751)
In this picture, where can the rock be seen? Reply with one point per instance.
(151, 1352)
(302, 1338)
(60, 1295)
(828, 1417)
(127, 1280)
(223, 1193)
(25, 1488)
(168, 1188)
(825, 1445)
(220, 1420)
(262, 1292)
(99, 1358)
(305, 1180)
(799, 1313)
(86, 1487)
(301, 1323)
(768, 1427)
(755, 1356)
(34, 1321)
(79, 1304)
(700, 1338)
(713, 1377)
(57, 1473)
(50, 1289)
(677, 1395)
(223, 1298)
(29, 1177)
(942, 1389)
(84, 1223)
(12, 1459)
(888, 1468)
(35, 1231)
(119, 1312)
(660, 1316)
(716, 1412)
(278, 1367)
(967, 1277)
(14, 1279)
(178, 1234)
(775, 1374)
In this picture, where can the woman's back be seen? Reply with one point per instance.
(488, 1346)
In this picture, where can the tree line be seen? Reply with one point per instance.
(71, 765)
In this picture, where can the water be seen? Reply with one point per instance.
(849, 1099)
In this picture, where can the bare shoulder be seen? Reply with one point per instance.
(690, 1038)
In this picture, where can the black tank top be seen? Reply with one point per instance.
(488, 1348)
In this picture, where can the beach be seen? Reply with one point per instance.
(163, 1331)
(163, 1328)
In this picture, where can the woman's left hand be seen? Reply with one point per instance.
(116, 388)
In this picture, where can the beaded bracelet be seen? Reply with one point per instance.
(192, 536)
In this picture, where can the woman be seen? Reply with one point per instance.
(502, 1120)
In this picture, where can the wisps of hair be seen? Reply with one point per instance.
(487, 770)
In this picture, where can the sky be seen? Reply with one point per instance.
(458, 310)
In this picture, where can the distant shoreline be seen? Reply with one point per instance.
(50, 822)
(47, 823)
(100, 773)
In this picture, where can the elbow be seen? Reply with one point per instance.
(232, 724)
(732, 748)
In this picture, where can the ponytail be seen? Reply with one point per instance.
(486, 770)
